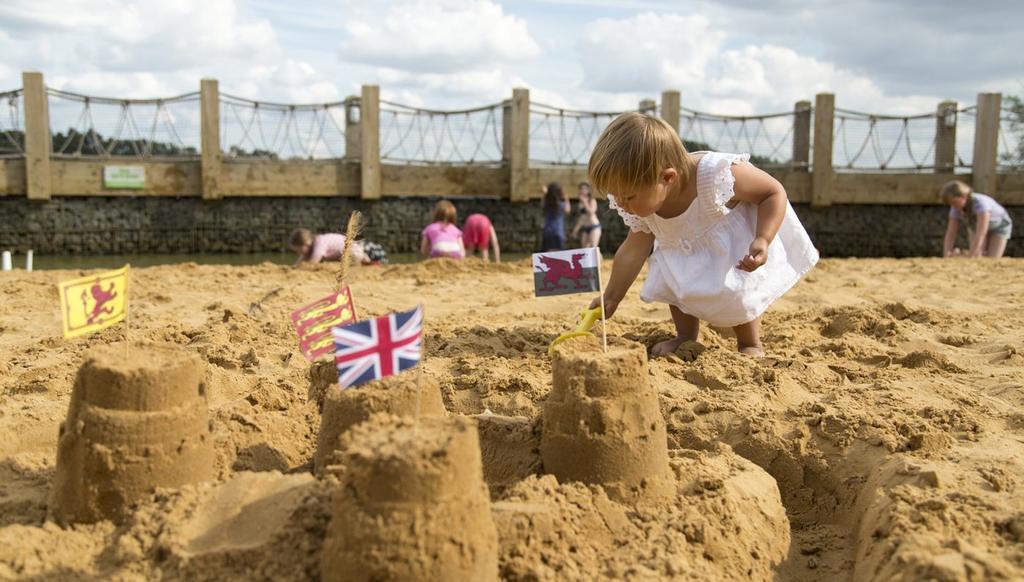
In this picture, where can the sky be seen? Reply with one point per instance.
(736, 57)
(730, 56)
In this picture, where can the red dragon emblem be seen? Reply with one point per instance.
(558, 269)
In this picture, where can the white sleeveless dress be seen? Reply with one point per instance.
(694, 262)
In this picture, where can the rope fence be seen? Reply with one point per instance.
(966, 121)
(87, 126)
(265, 130)
(12, 125)
(869, 141)
(412, 135)
(767, 138)
(84, 126)
(1011, 137)
(561, 137)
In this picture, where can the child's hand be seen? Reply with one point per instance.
(609, 306)
(758, 255)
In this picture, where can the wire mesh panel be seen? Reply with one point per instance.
(12, 125)
(85, 126)
(767, 138)
(258, 129)
(565, 136)
(965, 123)
(1011, 137)
(412, 135)
(870, 142)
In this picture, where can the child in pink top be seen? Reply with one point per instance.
(441, 238)
(323, 247)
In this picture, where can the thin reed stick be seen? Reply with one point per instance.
(355, 226)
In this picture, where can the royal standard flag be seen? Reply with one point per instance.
(313, 322)
(564, 272)
(95, 302)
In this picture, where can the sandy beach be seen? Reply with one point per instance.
(881, 438)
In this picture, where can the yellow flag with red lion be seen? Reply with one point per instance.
(93, 303)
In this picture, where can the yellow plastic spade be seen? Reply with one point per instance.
(587, 319)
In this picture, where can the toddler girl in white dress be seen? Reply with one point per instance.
(726, 242)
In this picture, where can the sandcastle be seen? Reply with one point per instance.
(402, 395)
(134, 423)
(602, 423)
(412, 504)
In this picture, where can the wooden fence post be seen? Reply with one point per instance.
(519, 144)
(986, 142)
(945, 137)
(801, 136)
(823, 176)
(37, 137)
(369, 160)
(352, 128)
(209, 103)
(670, 108)
(648, 106)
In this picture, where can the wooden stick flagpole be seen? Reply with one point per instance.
(127, 314)
(352, 230)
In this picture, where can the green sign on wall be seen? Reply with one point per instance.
(124, 177)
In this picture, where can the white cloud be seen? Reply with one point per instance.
(767, 78)
(139, 48)
(121, 85)
(437, 36)
(647, 52)
(294, 81)
(136, 35)
(476, 86)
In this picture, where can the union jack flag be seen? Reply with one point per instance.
(375, 348)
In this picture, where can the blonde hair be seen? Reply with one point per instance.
(633, 151)
(954, 189)
(445, 212)
(300, 237)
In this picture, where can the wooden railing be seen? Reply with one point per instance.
(352, 164)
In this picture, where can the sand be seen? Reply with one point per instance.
(882, 438)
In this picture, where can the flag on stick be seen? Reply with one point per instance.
(375, 348)
(313, 322)
(565, 272)
(93, 303)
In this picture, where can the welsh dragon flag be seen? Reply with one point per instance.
(565, 272)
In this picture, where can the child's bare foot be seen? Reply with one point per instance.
(666, 347)
(669, 346)
(752, 351)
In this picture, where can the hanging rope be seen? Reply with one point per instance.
(871, 142)
(413, 135)
(268, 130)
(565, 136)
(12, 132)
(1011, 138)
(105, 127)
(767, 138)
